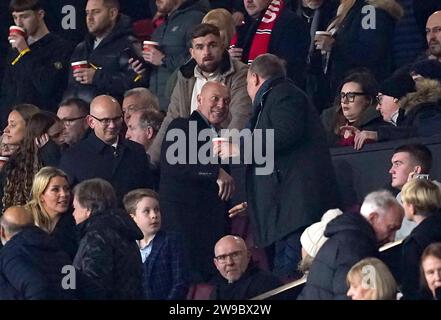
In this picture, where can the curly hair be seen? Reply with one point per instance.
(25, 163)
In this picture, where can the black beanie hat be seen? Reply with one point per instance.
(430, 69)
(397, 85)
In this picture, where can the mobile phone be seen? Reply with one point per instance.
(130, 53)
(421, 176)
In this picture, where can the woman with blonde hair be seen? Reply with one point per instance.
(371, 279)
(422, 202)
(222, 19)
(49, 205)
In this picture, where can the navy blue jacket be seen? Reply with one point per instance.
(164, 270)
(126, 169)
(31, 266)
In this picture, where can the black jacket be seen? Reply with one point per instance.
(351, 239)
(108, 257)
(427, 232)
(126, 169)
(31, 265)
(252, 283)
(65, 234)
(39, 77)
(114, 75)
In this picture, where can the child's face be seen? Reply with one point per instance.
(148, 216)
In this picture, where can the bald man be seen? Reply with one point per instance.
(31, 262)
(433, 35)
(238, 280)
(195, 191)
(104, 154)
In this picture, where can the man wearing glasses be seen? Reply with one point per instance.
(238, 279)
(72, 112)
(103, 154)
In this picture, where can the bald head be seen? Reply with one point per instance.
(229, 240)
(214, 102)
(105, 118)
(231, 257)
(14, 220)
(433, 34)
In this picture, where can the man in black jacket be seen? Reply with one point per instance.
(37, 65)
(104, 155)
(108, 71)
(352, 237)
(31, 263)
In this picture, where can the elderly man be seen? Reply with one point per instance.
(31, 263)
(103, 154)
(194, 187)
(433, 35)
(352, 237)
(210, 61)
(138, 99)
(143, 126)
(73, 112)
(238, 279)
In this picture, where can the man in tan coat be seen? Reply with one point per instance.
(210, 62)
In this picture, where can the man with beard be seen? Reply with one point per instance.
(433, 35)
(210, 61)
(108, 71)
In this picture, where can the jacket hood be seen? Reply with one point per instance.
(428, 91)
(390, 6)
(116, 220)
(350, 222)
(187, 5)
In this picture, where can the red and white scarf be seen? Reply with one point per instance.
(261, 40)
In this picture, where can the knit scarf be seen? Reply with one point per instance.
(261, 40)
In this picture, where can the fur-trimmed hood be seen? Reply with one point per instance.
(390, 6)
(428, 91)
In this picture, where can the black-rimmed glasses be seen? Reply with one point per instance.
(70, 121)
(350, 95)
(106, 121)
(223, 258)
(379, 98)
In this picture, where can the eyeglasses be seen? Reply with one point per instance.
(350, 95)
(223, 258)
(379, 98)
(70, 121)
(106, 121)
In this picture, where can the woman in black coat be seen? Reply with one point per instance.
(108, 258)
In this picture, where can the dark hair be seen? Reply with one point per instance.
(82, 105)
(369, 86)
(203, 29)
(268, 66)
(26, 110)
(22, 5)
(132, 198)
(419, 153)
(96, 194)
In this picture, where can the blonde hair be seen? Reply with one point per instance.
(424, 195)
(384, 286)
(39, 185)
(223, 20)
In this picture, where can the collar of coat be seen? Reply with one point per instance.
(226, 66)
(428, 92)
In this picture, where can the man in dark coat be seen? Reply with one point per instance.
(194, 191)
(104, 155)
(352, 237)
(288, 39)
(31, 262)
(108, 71)
(238, 279)
(108, 258)
(301, 185)
(37, 64)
